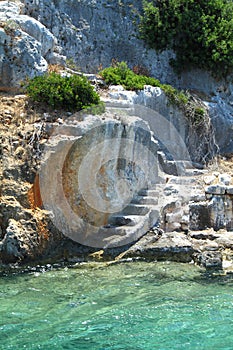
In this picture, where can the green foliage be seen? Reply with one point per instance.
(192, 107)
(199, 115)
(200, 32)
(72, 93)
(176, 97)
(120, 74)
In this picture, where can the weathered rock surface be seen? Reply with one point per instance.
(168, 123)
(92, 33)
(173, 246)
(25, 44)
(98, 169)
(29, 233)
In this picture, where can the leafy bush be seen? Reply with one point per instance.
(192, 107)
(120, 74)
(72, 93)
(200, 32)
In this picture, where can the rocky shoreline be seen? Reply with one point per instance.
(198, 231)
(190, 209)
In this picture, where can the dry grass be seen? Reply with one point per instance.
(55, 68)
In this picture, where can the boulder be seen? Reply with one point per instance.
(199, 216)
(11, 247)
(25, 45)
(37, 31)
(173, 246)
(210, 260)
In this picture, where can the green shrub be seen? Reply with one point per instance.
(72, 93)
(193, 109)
(200, 32)
(120, 74)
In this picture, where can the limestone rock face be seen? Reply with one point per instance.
(37, 31)
(92, 33)
(221, 112)
(168, 123)
(24, 45)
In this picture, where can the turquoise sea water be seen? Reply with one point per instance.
(128, 306)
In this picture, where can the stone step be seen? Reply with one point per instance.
(182, 180)
(148, 192)
(135, 209)
(132, 226)
(141, 223)
(117, 103)
(145, 200)
(124, 220)
(195, 172)
(143, 212)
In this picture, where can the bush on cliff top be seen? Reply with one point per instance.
(200, 32)
(120, 74)
(72, 93)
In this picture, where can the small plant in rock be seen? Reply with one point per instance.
(68, 92)
(56, 68)
(10, 26)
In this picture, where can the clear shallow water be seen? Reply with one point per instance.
(127, 306)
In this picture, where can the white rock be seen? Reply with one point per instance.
(9, 8)
(173, 217)
(29, 41)
(209, 179)
(185, 219)
(225, 179)
(38, 31)
(229, 190)
(117, 88)
(173, 226)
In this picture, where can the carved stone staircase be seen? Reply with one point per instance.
(138, 217)
(144, 211)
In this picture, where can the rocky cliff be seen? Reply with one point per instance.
(129, 190)
(36, 33)
(90, 34)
